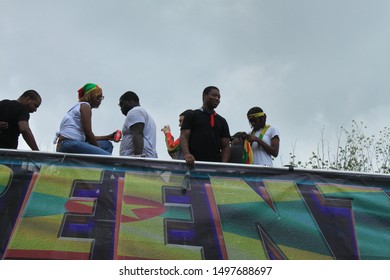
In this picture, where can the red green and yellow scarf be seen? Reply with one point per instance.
(248, 152)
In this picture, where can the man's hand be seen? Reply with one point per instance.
(166, 129)
(190, 160)
(252, 138)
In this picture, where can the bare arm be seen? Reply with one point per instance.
(27, 134)
(184, 137)
(86, 116)
(274, 151)
(225, 149)
(138, 137)
(109, 137)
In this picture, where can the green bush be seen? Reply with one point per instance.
(355, 151)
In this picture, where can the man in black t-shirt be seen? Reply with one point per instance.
(205, 134)
(14, 117)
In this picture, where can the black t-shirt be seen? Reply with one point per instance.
(237, 153)
(13, 112)
(205, 141)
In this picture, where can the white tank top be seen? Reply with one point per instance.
(71, 127)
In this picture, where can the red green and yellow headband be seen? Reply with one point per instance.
(88, 87)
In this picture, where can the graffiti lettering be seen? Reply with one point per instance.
(371, 217)
(142, 217)
(83, 210)
(266, 209)
(43, 215)
(14, 183)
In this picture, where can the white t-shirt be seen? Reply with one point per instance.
(260, 156)
(139, 115)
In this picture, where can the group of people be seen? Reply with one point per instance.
(204, 134)
(76, 136)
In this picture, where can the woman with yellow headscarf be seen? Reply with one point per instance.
(264, 138)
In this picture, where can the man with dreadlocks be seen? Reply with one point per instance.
(75, 135)
(263, 137)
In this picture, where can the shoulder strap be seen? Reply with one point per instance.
(263, 131)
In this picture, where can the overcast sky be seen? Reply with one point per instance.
(310, 64)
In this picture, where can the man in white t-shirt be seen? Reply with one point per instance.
(139, 129)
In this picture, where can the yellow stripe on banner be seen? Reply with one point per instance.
(41, 233)
(243, 248)
(297, 254)
(59, 180)
(5, 177)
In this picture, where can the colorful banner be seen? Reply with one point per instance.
(57, 206)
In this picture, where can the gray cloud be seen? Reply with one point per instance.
(309, 64)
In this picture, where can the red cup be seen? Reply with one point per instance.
(117, 136)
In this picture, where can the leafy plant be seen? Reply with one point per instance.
(355, 151)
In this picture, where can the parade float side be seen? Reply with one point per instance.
(80, 207)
